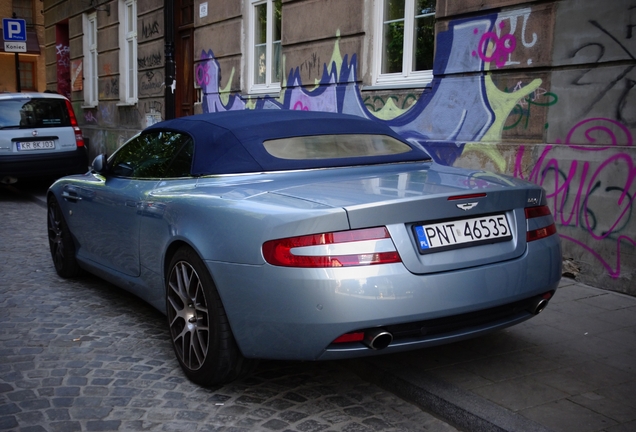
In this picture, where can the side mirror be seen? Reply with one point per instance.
(100, 164)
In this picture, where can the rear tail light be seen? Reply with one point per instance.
(79, 138)
(337, 249)
(539, 233)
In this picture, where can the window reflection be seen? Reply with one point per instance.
(154, 155)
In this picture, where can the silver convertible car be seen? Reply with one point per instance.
(273, 234)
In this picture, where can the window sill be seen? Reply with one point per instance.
(398, 86)
(255, 94)
(265, 89)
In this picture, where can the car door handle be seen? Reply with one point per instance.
(71, 196)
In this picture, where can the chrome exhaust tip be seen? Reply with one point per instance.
(377, 339)
(542, 304)
(538, 306)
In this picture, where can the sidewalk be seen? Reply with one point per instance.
(571, 368)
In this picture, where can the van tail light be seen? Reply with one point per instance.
(337, 249)
(79, 138)
(539, 233)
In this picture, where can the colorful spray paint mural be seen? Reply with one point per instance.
(589, 174)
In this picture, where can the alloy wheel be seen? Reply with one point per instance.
(188, 315)
(56, 237)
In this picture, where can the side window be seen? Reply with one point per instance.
(154, 155)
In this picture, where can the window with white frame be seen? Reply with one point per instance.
(90, 60)
(128, 52)
(404, 42)
(264, 61)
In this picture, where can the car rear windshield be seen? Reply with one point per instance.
(30, 113)
(334, 146)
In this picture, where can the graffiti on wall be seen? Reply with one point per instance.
(63, 58)
(150, 60)
(504, 45)
(597, 198)
(623, 79)
(459, 113)
(381, 105)
(151, 83)
(521, 114)
(150, 28)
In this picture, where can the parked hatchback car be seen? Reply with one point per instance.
(304, 236)
(39, 136)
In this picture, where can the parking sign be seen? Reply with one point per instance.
(14, 32)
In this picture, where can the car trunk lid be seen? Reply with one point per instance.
(453, 210)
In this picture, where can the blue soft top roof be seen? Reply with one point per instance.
(232, 142)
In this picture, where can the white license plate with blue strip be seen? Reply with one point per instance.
(462, 233)
(36, 145)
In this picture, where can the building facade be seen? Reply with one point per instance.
(540, 90)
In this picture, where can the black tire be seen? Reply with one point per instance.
(199, 328)
(61, 241)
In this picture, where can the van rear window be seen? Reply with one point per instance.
(31, 113)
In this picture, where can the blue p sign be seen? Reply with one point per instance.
(14, 30)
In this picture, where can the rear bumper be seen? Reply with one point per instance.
(44, 164)
(284, 313)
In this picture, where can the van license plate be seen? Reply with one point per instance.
(36, 145)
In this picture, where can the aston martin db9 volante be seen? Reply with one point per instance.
(272, 234)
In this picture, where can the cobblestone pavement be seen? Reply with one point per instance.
(85, 355)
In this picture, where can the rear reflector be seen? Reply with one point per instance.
(350, 337)
(337, 249)
(537, 234)
(540, 233)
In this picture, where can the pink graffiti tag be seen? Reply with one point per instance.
(501, 47)
(594, 127)
(572, 190)
(202, 75)
(299, 106)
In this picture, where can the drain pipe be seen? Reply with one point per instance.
(170, 83)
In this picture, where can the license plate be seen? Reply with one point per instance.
(36, 145)
(462, 233)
